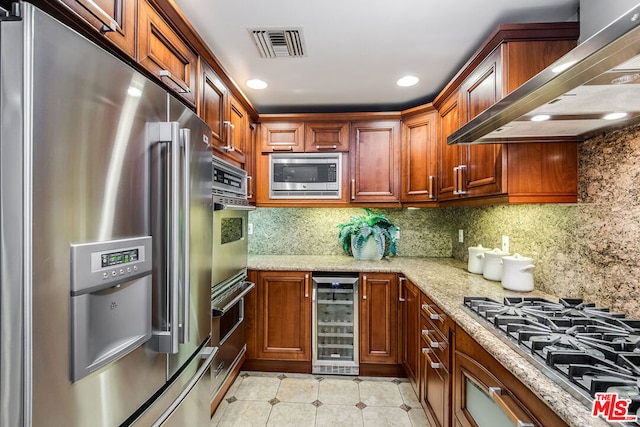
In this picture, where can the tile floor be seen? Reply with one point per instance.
(279, 400)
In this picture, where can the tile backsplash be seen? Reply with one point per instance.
(590, 249)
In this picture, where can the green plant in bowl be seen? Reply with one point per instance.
(355, 235)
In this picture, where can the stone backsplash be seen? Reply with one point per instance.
(589, 250)
(313, 231)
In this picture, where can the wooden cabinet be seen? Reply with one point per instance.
(436, 338)
(326, 136)
(282, 136)
(419, 157)
(481, 385)
(163, 53)
(378, 318)
(450, 171)
(375, 161)
(410, 327)
(212, 104)
(283, 318)
(226, 116)
(501, 65)
(114, 19)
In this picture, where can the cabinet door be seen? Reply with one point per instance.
(375, 161)
(449, 156)
(212, 102)
(284, 315)
(378, 318)
(165, 54)
(115, 19)
(410, 325)
(436, 383)
(326, 136)
(419, 162)
(239, 130)
(484, 162)
(475, 372)
(282, 136)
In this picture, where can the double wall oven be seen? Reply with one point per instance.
(229, 269)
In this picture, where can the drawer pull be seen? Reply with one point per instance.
(432, 315)
(289, 148)
(432, 343)
(434, 365)
(183, 88)
(496, 395)
(326, 147)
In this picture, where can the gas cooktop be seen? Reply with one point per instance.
(593, 350)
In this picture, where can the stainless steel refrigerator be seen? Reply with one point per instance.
(105, 227)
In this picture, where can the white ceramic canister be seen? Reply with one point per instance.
(492, 267)
(476, 258)
(517, 273)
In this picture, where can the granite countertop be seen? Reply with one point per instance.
(446, 282)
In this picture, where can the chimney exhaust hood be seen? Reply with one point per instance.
(593, 87)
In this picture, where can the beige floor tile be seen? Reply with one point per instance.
(301, 390)
(257, 388)
(338, 392)
(338, 416)
(245, 414)
(373, 416)
(292, 414)
(408, 395)
(418, 418)
(374, 393)
(217, 416)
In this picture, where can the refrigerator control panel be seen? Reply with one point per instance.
(99, 265)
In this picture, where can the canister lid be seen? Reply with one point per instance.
(518, 257)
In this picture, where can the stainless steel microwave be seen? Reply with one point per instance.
(305, 176)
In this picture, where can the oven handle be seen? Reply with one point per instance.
(217, 312)
(222, 206)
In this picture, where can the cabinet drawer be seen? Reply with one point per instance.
(440, 321)
(282, 136)
(438, 345)
(435, 393)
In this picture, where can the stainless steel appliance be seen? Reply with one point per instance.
(229, 269)
(593, 87)
(586, 349)
(305, 176)
(335, 324)
(105, 225)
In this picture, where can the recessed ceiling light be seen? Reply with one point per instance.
(614, 116)
(256, 84)
(407, 81)
(540, 118)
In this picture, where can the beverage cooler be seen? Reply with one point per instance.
(335, 324)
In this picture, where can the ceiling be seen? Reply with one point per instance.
(356, 50)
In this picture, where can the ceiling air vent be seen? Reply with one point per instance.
(278, 42)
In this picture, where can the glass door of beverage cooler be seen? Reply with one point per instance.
(335, 321)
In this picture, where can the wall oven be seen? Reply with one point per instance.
(229, 269)
(305, 176)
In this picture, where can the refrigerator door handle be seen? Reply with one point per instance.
(166, 341)
(185, 139)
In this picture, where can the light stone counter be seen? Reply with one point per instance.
(446, 282)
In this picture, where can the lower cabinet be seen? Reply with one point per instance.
(378, 318)
(486, 394)
(410, 328)
(283, 315)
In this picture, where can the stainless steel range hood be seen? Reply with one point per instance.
(593, 87)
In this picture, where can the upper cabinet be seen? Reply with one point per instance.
(228, 119)
(511, 55)
(419, 156)
(114, 19)
(282, 136)
(165, 54)
(375, 161)
(326, 136)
